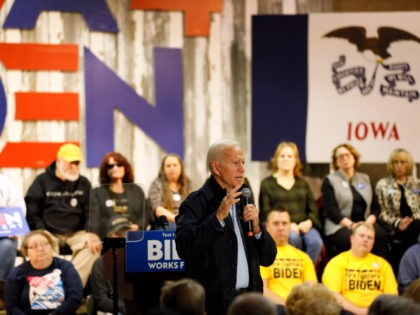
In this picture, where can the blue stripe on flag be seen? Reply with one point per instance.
(279, 83)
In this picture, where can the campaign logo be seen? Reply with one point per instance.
(12, 222)
(152, 251)
(375, 50)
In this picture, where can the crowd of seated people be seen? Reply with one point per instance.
(62, 202)
(76, 217)
(357, 219)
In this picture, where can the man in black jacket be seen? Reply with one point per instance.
(58, 201)
(219, 234)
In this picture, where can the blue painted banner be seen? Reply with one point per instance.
(25, 13)
(155, 252)
(105, 91)
(12, 222)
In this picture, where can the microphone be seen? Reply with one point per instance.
(163, 222)
(246, 193)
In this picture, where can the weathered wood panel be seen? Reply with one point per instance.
(217, 80)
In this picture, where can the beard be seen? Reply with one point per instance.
(71, 176)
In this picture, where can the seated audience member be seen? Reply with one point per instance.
(312, 300)
(43, 284)
(291, 266)
(386, 304)
(100, 287)
(252, 303)
(348, 198)
(118, 195)
(413, 291)
(356, 277)
(184, 297)
(9, 197)
(287, 189)
(409, 268)
(169, 189)
(58, 200)
(400, 212)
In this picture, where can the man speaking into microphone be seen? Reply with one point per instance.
(218, 233)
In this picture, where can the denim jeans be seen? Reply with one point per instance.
(311, 242)
(7, 256)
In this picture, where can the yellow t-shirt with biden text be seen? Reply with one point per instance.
(359, 280)
(291, 267)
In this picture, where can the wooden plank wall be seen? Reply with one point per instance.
(217, 81)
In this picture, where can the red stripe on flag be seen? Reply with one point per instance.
(29, 154)
(39, 56)
(47, 106)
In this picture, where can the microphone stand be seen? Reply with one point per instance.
(114, 243)
(163, 222)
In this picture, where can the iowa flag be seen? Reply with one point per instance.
(323, 79)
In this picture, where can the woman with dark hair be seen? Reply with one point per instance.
(117, 195)
(348, 198)
(169, 189)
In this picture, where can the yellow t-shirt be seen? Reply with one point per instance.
(291, 267)
(359, 280)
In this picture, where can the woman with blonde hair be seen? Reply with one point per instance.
(43, 284)
(399, 206)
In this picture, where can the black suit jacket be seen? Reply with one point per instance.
(210, 250)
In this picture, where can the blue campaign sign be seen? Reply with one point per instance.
(155, 252)
(12, 222)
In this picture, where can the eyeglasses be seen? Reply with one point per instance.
(343, 156)
(38, 246)
(111, 166)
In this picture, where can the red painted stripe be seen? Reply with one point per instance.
(39, 56)
(197, 13)
(1, 3)
(47, 106)
(177, 5)
(29, 154)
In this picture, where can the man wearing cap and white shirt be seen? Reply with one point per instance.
(58, 200)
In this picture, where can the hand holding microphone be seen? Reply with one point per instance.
(246, 193)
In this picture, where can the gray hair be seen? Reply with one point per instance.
(215, 152)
